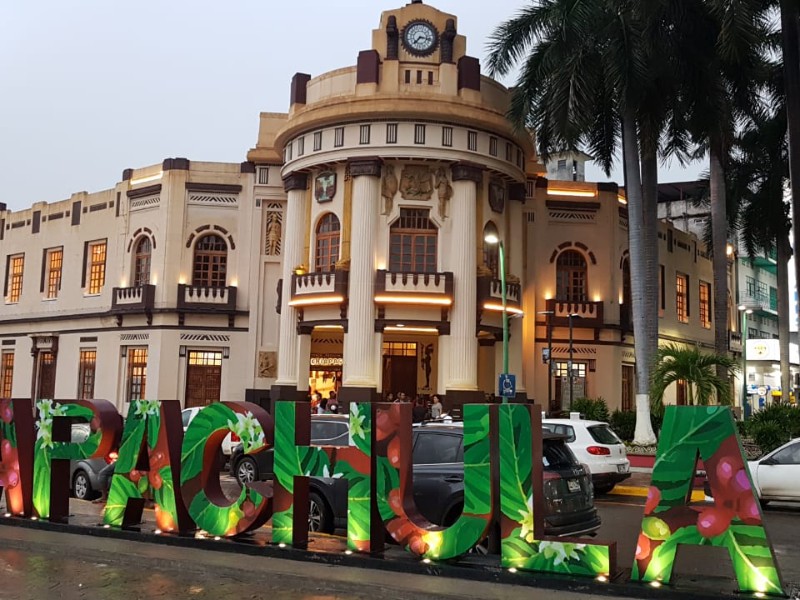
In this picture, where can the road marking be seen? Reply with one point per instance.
(631, 490)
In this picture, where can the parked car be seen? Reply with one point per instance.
(84, 473)
(776, 476)
(596, 445)
(187, 414)
(438, 458)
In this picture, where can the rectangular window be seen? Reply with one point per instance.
(493, 146)
(661, 290)
(430, 77)
(7, 375)
(752, 334)
(289, 151)
(578, 369)
(682, 297)
(301, 146)
(15, 270)
(364, 134)
(86, 373)
(136, 382)
(317, 141)
(472, 141)
(408, 76)
(509, 152)
(521, 158)
(97, 267)
(705, 304)
(419, 134)
(338, 137)
(263, 175)
(55, 262)
(419, 77)
(447, 136)
(773, 298)
(391, 133)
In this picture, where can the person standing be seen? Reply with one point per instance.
(419, 411)
(436, 408)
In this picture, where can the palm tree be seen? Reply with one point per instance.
(582, 82)
(697, 369)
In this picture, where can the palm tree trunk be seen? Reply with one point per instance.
(650, 217)
(784, 318)
(790, 25)
(637, 241)
(719, 236)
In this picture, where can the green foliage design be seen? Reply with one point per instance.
(45, 449)
(734, 521)
(520, 548)
(353, 465)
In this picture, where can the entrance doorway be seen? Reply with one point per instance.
(203, 378)
(46, 387)
(400, 368)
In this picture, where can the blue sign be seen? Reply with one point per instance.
(507, 384)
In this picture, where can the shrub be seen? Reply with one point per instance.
(624, 424)
(768, 436)
(592, 409)
(774, 426)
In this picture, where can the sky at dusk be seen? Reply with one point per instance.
(91, 87)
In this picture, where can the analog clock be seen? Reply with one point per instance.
(420, 38)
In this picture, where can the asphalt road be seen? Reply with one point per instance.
(622, 517)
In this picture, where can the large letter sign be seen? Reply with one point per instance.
(16, 460)
(734, 521)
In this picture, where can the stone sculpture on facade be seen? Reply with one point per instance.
(444, 190)
(389, 189)
(416, 183)
(274, 234)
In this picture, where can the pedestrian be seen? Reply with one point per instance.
(390, 397)
(436, 408)
(323, 403)
(104, 481)
(400, 397)
(418, 412)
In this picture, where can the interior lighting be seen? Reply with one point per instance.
(317, 300)
(412, 300)
(328, 327)
(499, 307)
(575, 193)
(412, 329)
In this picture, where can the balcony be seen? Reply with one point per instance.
(206, 300)
(393, 287)
(734, 341)
(490, 294)
(133, 300)
(323, 287)
(587, 314)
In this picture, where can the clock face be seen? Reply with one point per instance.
(420, 38)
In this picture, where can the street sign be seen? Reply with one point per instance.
(507, 384)
(762, 390)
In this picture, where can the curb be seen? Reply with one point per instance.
(641, 492)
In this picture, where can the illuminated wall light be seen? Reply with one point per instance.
(499, 307)
(575, 193)
(621, 299)
(413, 300)
(598, 298)
(234, 282)
(182, 280)
(147, 178)
(622, 199)
(328, 327)
(154, 279)
(411, 329)
(548, 295)
(123, 282)
(317, 300)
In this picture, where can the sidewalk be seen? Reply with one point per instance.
(639, 482)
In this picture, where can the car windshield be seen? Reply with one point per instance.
(437, 448)
(556, 455)
(602, 434)
(560, 430)
(324, 431)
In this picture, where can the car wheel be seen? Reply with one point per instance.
(81, 486)
(320, 518)
(603, 488)
(246, 471)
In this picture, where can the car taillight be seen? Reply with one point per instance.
(598, 451)
(111, 457)
(235, 438)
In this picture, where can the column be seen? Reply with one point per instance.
(462, 261)
(296, 186)
(361, 355)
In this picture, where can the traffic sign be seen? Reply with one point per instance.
(507, 384)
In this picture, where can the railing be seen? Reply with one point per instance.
(585, 314)
(133, 299)
(324, 283)
(491, 290)
(734, 341)
(395, 283)
(206, 299)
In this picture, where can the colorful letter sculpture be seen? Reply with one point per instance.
(734, 521)
(16, 459)
(395, 496)
(200, 486)
(523, 545)
(149, 463)
(54, 449)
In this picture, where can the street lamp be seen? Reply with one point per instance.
(550, 362)
(745, 310)
(570, 374)
(492, 238)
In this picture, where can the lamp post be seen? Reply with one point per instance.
(491, 237)
(570, 374)
(745, 311)
(550, 363)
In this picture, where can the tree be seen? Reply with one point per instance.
(583, 81)
(697, 369)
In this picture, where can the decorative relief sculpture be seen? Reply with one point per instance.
(268, 365)
(325, 186)
(389, 189)
(444, 190)
(416, 183)
(273, 245)
(497, 196)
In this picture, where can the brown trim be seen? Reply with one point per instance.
(2, 228)
(37, 221)
(469, 73)
(220, 188)
(76, 213)
(307, 327)
(466, 171)
(455, 398)
(542, 182)
(287, 392)
(368, 67)
(298, 91)
(127, 174)
(567, 204)
(148, 190)
(517, 192)
(118, 203)
(44, 265)
(83, 265)
(442, 327)
(175, 164)
(295, 181)
(203, 328)
(247, 167)
(358, 394)
(607, 186)
(6, 278)
(369, 167)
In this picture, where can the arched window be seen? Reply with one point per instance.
(326, 253)
(141, 261)
(571, 277)
(491, 251)
(412, 242)
(210, 262)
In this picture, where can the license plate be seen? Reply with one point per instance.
(573, 485)
(622, 468)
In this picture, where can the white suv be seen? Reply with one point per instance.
(598, 447)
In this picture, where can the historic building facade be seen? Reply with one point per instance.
(346, 254)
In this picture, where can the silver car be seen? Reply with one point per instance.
(84, 473)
